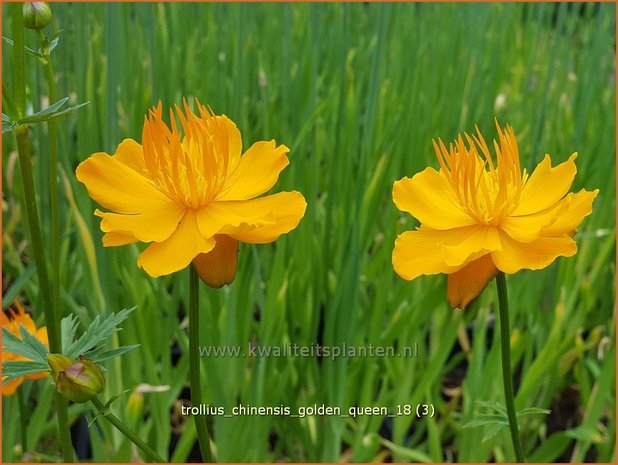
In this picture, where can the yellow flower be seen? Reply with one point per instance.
(191, 194)
(12, 322)
(478, 217)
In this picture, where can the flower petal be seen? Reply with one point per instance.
(535, 255)
(420, 252)
(471, 243)
(115, 238)
(288, 209)
(429, 197)
(176, 252)
(234, 140)
(546, 186)
(116, 186)
(131, 153)
(218, 267)
(230, 216)
(258, 220)
(577, 207)
(560, 219)
(256, 172)
(153, 225)
(527, 228)
(466, 284)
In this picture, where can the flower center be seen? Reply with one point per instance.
(485, 191)
(190, 168)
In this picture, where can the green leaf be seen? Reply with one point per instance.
(98, 355)
(533, 411)
(495, 406)
(11, 343)
(7, 124)
(13, 369)
(98, 331)
(106, 407)
(51, 112)
(52, 44)
(69, 328)
(33, 342)
(29, 50)
(495, 429)
(486, 419)
(13, 291)
(45, 112)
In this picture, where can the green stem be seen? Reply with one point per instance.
(194, 364)
(62, 410)
(8, 105)
(34, 226)
(19, 65)
(505, 339)
(22, 420)
(53, 189)
(120, 426)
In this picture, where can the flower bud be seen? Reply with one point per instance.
(37, 15)
(80, 380)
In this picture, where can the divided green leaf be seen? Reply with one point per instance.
(98, 332)
(7, 124)
(13, 369)
(51, 112)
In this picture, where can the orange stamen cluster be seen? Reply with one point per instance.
(486, 191)
(191, 166)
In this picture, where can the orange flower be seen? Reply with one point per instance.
(191, 195)
(478, 217)
(12, 323)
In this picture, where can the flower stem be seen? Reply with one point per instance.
(19, 65)
(53, 189)
(120, 426)
(23, 423)
(194, 364)
(505, 339)
(7, 103)
(62, 403)
(34, 226)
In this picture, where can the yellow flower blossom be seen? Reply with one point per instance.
(12, 322)
(190, 194)
(478, 217)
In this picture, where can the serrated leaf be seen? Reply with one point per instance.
(491, 432)
(7, 124)
(52, 45)
(533, 411)
(14, 369)
(28, 49)
(98, 331)
(11, 343)
(484, 420)
(69, 328)
(45, 112)
(33, 342)
(51, 112)
(99, 355)
(493, 405)
(108, 404)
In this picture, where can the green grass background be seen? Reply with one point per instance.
(357, 91)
